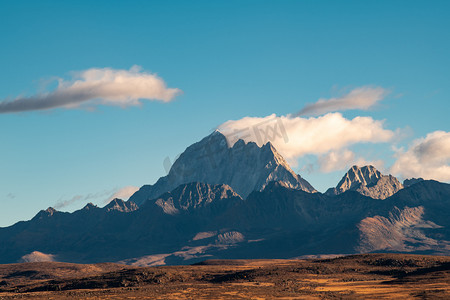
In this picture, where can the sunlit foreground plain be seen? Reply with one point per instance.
(371, 276)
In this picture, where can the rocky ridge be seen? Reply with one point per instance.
(367, 181)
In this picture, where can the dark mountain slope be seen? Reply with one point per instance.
(198, 220)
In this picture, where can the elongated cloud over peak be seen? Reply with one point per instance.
(361, 98)
(94, 87)
(294, 137)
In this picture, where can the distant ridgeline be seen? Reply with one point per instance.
(240, 201)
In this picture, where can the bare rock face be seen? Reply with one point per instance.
(90, 206)
(385, 187)
(231, 237)
(121, 206)
(367, 181)
(402, 230)
(44, 214)
(356, 177)
(245, 167)
(192, 196)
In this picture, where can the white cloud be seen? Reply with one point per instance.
(124, 193)
(96, 86)
(343, 160)
(336, 160)
(427, 157)
(361, 98)
(295, 137)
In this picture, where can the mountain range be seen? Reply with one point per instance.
(240, 201)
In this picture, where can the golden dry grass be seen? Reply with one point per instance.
(374, 276)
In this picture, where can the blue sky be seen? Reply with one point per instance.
(230, 59)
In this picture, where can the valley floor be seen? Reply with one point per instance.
(366, 276)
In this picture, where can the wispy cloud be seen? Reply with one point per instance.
(102, 197)
(106, 194)
(95, 87)
(10, 196)
(123, 193)
(427, 157)
(361, 98)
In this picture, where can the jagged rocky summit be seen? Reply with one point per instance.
(245, 167)
(194, 196)
(121, 206)
(411, 181)
(367, 181)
